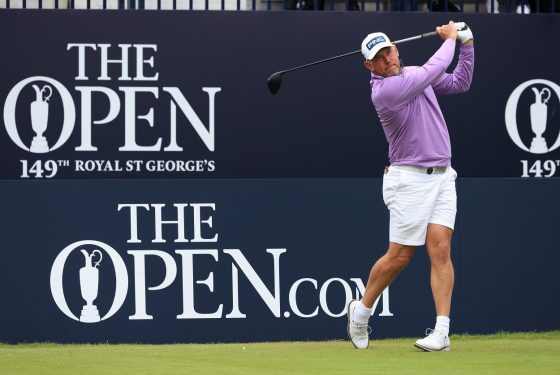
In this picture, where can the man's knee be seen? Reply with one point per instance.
(438, 243)
(400, 255)
(439, 252)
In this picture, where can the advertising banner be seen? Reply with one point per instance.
(154, 190)
(185, 261)
(184, 95)
(259, 260)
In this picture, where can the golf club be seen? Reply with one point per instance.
(275, 80)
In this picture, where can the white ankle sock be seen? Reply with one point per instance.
(442, 324)
(361, 313)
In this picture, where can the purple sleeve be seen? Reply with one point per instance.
(398, 90)
(460, 80)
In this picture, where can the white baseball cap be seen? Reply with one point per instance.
(373, 43)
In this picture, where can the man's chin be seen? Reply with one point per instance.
(392, 73)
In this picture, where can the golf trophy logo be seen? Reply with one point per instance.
(40, 118)
(40, 113)
(89, 280)
(89, 285)
(541, 114)
(538, 120)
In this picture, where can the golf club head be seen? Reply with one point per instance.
(274, 82)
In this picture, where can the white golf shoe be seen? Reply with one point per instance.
(435, 341)
(357, 333)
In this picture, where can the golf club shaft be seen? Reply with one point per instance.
(356, 52)
(433, 33)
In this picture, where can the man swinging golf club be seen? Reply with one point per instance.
(419, 184)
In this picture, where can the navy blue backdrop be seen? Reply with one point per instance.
(224, 213)
(320, 124)
(503, 252)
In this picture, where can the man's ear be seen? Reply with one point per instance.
(368, 65)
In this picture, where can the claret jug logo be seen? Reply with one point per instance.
(533, 124)
(89, 280)
(42, 113)
(88, 277)
(39, 113)
(531, 116)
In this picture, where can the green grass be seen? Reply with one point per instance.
(504, 353)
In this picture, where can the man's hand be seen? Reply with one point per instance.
(464, 33)
(448, 31)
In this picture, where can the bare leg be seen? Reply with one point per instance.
(385, 270)
(442, 277)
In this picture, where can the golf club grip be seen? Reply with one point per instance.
(433, 33)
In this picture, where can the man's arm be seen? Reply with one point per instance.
(395, 91)
(460, 80)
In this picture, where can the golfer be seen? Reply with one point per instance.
(419, 184)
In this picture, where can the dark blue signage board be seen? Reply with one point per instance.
(184, 95)
(153, 190)
(259, 260)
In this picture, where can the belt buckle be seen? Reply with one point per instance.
(430, 170)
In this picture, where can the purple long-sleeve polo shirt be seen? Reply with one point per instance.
(409, 112)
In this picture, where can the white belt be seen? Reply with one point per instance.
(427, 170)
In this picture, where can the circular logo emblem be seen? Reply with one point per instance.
(531, 116)
(39, 110)
(88, 275)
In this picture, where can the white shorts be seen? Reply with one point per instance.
(416, 199)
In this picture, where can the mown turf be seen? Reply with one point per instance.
(517, 353)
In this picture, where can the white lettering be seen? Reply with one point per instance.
(293, 301)
(272, 300)
(81, 58)
(323, 296)
(123, 61)
(188, 286)
(140, 279)
(114, 108)
(180, 222)
(206, 135)
(198, 222)
(360, 289)
(130, 119)
(133, 220)
(140, 62)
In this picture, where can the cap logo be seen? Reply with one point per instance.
(375, 41)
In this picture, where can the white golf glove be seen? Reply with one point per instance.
(464, 33)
